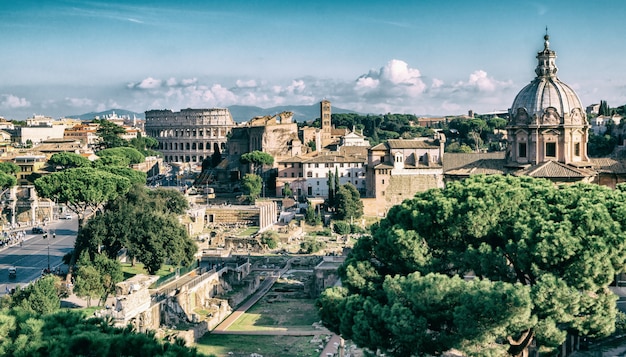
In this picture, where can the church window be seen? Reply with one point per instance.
(551, 149)
(521, 150)
(577, 149)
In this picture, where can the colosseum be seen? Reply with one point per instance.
(191, 134)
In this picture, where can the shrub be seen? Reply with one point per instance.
(341, 227)
(354, 228)
(312, 245)
(270, 238)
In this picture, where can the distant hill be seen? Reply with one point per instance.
(240, 113)
(119, 112)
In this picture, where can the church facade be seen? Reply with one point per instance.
(547, 133)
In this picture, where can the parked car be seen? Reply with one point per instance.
(66, 216)
(37, 230)
(12, 272)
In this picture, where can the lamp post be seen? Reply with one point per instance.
(48, 256)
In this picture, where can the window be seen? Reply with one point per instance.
(284, 174)
(317, 175)
(577, 149)
(299, 174)
(309, 174)
(317, 165)
(521, 150)
(383, 181)
(341, 164)
(551, 149)
(318, 183)
(293, 174)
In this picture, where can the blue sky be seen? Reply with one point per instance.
(417, 56)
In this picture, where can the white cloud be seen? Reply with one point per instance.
(10, 101)
(480, 81)
(188, 81)
(395, 79)
(148, 83)
(78, 102)
(246, 84)
(395, 87)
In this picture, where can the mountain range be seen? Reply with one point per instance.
(240, 113)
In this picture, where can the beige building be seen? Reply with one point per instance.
(276, 135)
(190, 135)
(85, 133)
(400, 168)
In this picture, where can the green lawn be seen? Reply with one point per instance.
(130, 270)
(281, 314)
(269, 346)
(248, 231)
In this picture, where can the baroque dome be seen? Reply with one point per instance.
(546, 94)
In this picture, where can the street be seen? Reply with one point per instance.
(37, 253)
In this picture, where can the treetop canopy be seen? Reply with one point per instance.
(542, 257)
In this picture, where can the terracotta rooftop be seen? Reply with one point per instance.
(554, 169)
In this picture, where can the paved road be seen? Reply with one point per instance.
(35, 253)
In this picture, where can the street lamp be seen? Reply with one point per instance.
(48, 256)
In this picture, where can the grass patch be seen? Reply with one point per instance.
(244, 345)
(248, 231)
(277, 314)
(129, 271)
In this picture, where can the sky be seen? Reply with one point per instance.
(422, 57)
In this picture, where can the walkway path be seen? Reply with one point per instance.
(332, 347)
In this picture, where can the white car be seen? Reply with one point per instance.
(66, 216)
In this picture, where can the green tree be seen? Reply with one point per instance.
(111, 161)
(96, 276)
(269, 238)
(169, 200)
(8, 171)
(145, 145)
(458, 148)
(600, 145)
(309, 214)
(67, 160)
(257, 159)
(251, 186)
(87, 280)
(604, 108)
(348, 203)
(109, 134)
(312, 246)
(68, 333)
(134, 176)
(330, 202)
(133, 155)
(543, 257)
(40, 297)
(9, 168)
(287, 191)
(83, 190)
(144, 225)
(342, 227)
